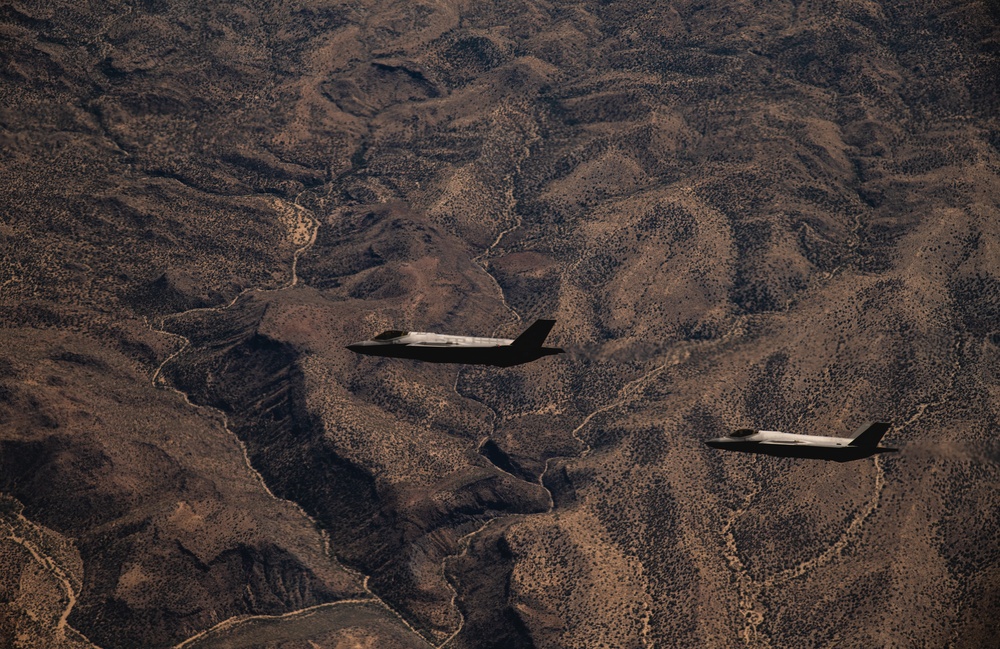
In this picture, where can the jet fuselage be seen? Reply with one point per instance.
(817, 447)
(441, 348)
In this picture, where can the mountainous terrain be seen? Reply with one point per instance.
(782, 216)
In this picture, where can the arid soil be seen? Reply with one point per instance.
(778, 215)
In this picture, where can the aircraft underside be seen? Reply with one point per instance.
(498, 356)
(836, 454)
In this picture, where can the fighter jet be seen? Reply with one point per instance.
(839, 449)
(439, 348)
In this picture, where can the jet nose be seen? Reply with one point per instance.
(718, 442)
(357, 347)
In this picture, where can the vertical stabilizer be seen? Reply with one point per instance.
(870, 434)
(534, 336)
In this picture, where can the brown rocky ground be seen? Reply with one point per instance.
(781, 216)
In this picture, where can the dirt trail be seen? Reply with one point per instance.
(53, 567)
(834, 551)
(747, 590)
(483, 261)
(751, 591)
(160, 382)
(292, 617)
(463, 543)
(626, 393)
(511, 211)
(313, 229)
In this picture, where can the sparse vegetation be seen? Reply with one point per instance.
(740, 215)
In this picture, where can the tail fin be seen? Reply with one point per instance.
(534, 336)
(870, 434)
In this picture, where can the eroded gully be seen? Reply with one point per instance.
(159, 382)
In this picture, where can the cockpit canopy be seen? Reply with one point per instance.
(743, 432)
(389, 335)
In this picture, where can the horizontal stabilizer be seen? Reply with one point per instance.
(870, 434)
(534, 336)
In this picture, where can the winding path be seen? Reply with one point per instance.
(483, 259)
(53, 567)
(626, 393)
(303, 624)
(160, 382)
(750, 591)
